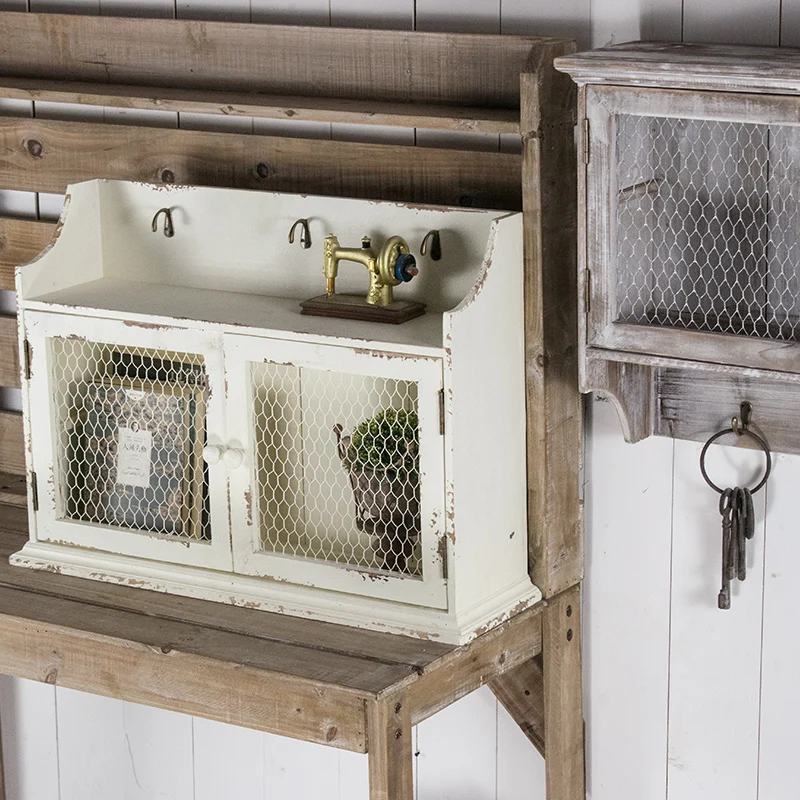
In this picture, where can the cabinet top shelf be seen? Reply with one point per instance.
(732, 68)
(230, 264)
(238, 312)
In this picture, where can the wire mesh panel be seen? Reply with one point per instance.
(131, 428)
(337, 467)
(705, 226)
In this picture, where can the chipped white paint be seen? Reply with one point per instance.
(226, 288)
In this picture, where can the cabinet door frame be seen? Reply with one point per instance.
(50, 526)
(241, 352)
(603, 331)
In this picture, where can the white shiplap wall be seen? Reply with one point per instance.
(682, 702)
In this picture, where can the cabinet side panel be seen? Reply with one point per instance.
(75, 253)
(485, 424)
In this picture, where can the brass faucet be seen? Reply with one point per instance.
(391, 265)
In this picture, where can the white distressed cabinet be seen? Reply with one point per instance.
(190, 431)
(690, 232)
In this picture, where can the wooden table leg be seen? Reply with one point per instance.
(563, 697)
(389, 749)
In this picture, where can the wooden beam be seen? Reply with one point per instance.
(389, 749)
(563, 697)
(12, 443)
(21, 241)
(159, 671)
(13, 519)
(379, 649)
(350, 64)
(9, 353)
(13, 491)
(3, 794)
(46, 156)
(554, 404)
(241, 104)
(521, 691)
(454, 676)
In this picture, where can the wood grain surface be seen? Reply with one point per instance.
(311, 61)
(47, 155)
(21, 241)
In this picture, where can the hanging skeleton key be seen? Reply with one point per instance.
(736, 510)
(726, 509)
(744, 516)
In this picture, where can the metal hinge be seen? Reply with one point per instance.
(443, 555)
(441, 412)
(586, 146)
(34, 491)
(587, 291)
(27, 350)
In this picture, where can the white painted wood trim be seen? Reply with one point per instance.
(338, 607)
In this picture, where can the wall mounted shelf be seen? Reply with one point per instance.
(688, 235)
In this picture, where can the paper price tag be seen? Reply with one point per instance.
(134, 451)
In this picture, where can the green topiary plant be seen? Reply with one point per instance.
(388, 440)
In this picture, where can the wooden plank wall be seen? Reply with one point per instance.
(664, 670)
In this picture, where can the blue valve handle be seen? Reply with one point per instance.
(405, 268)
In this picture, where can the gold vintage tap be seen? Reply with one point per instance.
(391, 265)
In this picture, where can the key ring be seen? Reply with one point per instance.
(741, 432)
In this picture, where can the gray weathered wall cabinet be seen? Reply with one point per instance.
(690, 233)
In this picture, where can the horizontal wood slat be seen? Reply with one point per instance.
(348, 674)
(521, 691)
(238, 104)
(82, 647)
(12, 520)
(12, 447)
(13, 491)
(454, 676)
(321, 638)
(47, 155)
(391, 66)
(21, 241)
(9, 353)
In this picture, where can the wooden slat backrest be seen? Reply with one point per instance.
(68, 152)
(12, 447)
(273, 59)
(20, 241)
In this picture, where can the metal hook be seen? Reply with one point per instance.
(169, 228)
(436, 245)
(746, 414)
(305, 234)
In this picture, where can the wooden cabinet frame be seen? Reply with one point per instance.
(491, 84)
(664, 378)
(604, 330)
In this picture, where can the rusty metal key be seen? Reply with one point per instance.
(726, 510)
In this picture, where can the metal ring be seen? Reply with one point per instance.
(745, 432)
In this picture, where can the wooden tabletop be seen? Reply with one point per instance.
(302, 678)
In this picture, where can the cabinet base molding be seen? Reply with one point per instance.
(266, 595)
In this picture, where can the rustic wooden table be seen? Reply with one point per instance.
(334, 685)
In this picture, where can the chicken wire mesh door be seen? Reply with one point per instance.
(343, 485)
(693, 221)
(123, 470)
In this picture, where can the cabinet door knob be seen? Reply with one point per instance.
(212, 453)
(233, 458)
